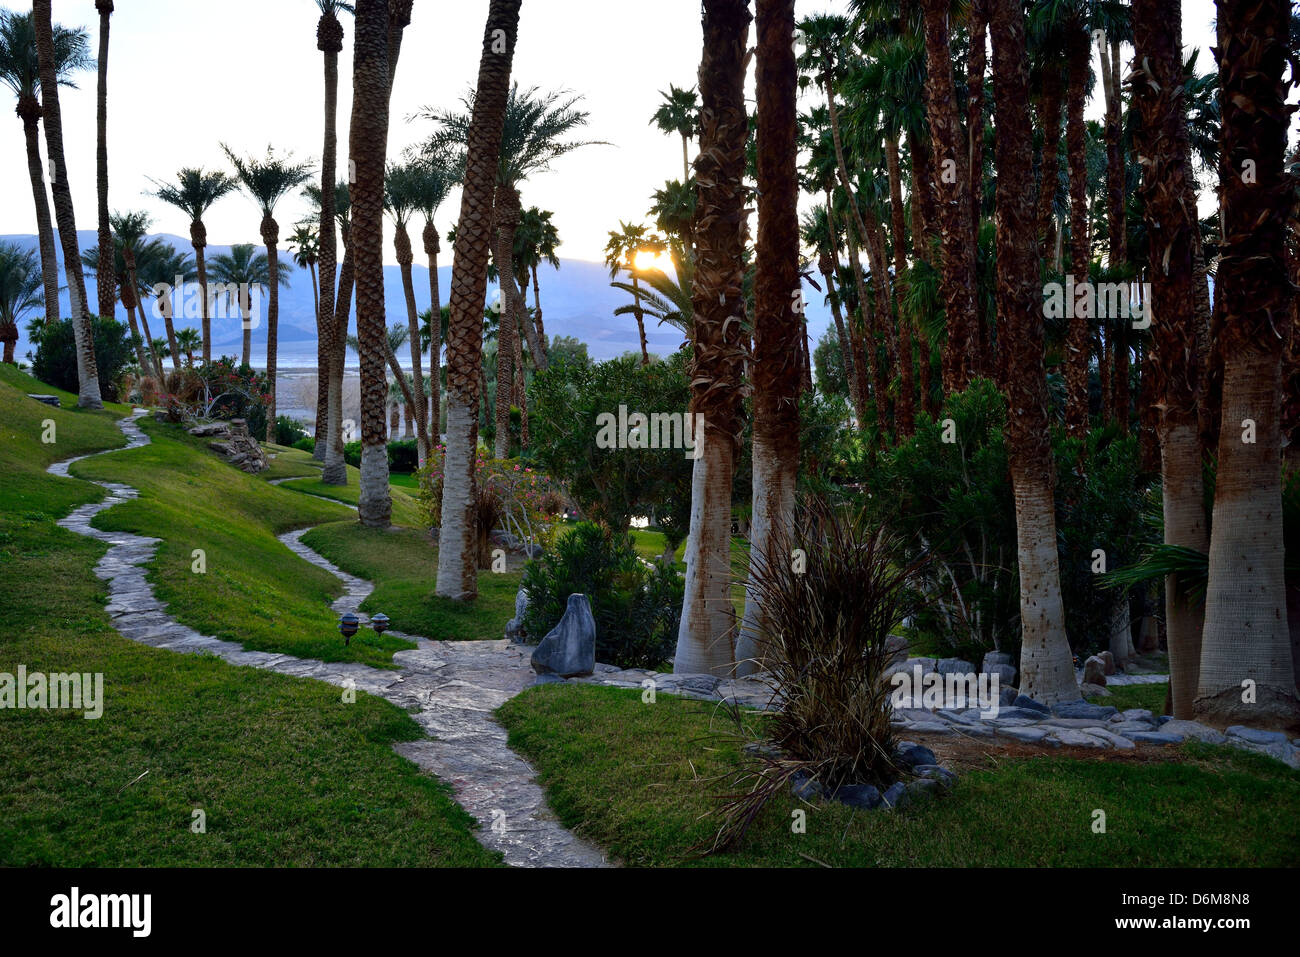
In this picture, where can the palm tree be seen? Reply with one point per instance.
(165, 268)
(20, 71)
(267, 181)
(1246, 643)
(403, 185)
(129, 231)
(621, 254)
(778, 328)
(88, 396)
(679, 113)
(457, 542)
(666, 298)
(193, 192)
(536, 243)
(242, 273)
(673, 210)
(107, 296)
(189, 339)
(329, 450)
(1161, 138)
(20, 292)
(331, 353)
(305, 244)
(704, 639)
(1046, 665)
(367, 139)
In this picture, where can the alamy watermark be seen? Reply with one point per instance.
(918, 688)
(658, 430)
(1100, 300)
(226, 300)
(37, 690)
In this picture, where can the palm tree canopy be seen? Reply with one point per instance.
(245, 265)
(342, 202)
(679, 113)
(268, 179)
(536, 241)
(305, 242)
(537, 127)
(194, 190)
(625, 242)
(674, 206)
(21, 288)
(18, 65)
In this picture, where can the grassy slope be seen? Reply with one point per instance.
(286, 773)
(639, 779)
(406, 511)
(403, 563)
(254, 591)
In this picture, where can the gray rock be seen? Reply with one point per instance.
(997, 658)
(913, 755)
(1093, 691)
(1154, 737)
(896, 795)
(895, 649)
(1094, 671)
(1006, 675)
(1133, 714)
(1163, 719)
(1027, 735)
(947, 779)
(1082, 709)
(1024, 701)
(210, 429)
(1078, 739)
(1006, 696)
(570, 648)
(1256, 735)
(1018, 711)
(515, 626)
(805, 788)
(923, 788)
(1129, 728)
(863, 796)
(534, 550)
(1193, 729)
(954, 666)
(1108, 662)
(548, 680)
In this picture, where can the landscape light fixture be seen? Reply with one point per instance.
(348, 624)
(379, 623)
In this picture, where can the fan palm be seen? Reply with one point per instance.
(193, 192)
(189, 339)
(536, 244)
(621, 252)
(331, 346)
(20, 72)
(267, 181)
(20, 292)
(679, 113)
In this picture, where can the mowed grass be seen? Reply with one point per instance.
(1151, 697)
(284, 772)
(406, 510)
(403, 564)
(254, 590)
(641, 780)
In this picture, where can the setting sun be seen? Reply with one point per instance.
(649, 259)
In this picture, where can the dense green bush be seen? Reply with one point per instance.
(403, 456)
(352, 453)
(55, 360)
(307, 444)
(637, 607)
(289, 431)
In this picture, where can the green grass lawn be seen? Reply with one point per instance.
(403, 563)
(640, 780)
(286, 774)
(404, 480)
(288, 463)
(406, 510)
(1151, 697)
(255, 591)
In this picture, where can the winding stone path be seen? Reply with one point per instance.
(451, 688)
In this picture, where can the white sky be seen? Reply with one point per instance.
(186, 75)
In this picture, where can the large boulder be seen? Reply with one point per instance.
(1094, 671)
(954, 666)
(515, 626)
(1108, 661)
(570, 648)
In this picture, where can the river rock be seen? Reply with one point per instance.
(570, 648)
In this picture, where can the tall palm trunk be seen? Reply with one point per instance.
(1117, 235)
(957, 278)
(329, 445)
(1246, 644)
(104, 271)
(520, 397)
(133, 283)
(864, 342)
(906, 368)
(640, 317)
(1171, 227)
(88, 395)
(976, 66)
(431, 250)
(271, 236)
(29, 110)
(129, 303)
(507, 215)
(368, 138)
(457, 543)
(335, 469)
(704, 639)
(537, 313)
(199, 240)
(1076, 348)
(1049, 119)
(825, 265)
(405, 259)
(852, 358)
(165, 306)
(1046, 666)
(777, 368)
(922, 223)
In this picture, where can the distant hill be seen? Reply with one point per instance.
(576, 301)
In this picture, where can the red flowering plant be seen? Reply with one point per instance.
(227, 391)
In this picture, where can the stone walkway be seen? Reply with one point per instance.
(451, 688)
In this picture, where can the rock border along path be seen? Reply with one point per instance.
(451, 688)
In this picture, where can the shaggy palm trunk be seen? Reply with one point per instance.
(864, 343)
(199, 240)
(777, 368)
(640, 316)
(952, 185)
(1076, 347)
(1117, 236)
(328, 450)
(271, 236)
(906, 369)
(88, 395)
(405, 259)
(128, 259)
(846, 350)
(1246, 669)
(537, 317)
(457, 571)
(106, 294)
(704, 639)
(165, 306)
(335, 469)
(1046, 666)
(1049, 119)
(129, 303)
(1171, 227)
(367, 146)
(29, 109)
(921, 220)
(977, 64)
(507, 222)
(852, 360)
(431, 250)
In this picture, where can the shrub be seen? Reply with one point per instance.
(403, 456)
(525, 502)
(637, 607)
(289, 431)
(352, 453)
(307, 444)
(231, 391)
(55, 360)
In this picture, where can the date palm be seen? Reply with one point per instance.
(679, 113)
(673, 209)
(331, 350)
(20, 72)
(267, 181)
(20, 292)
(193, 192)
(621, 252)
(704, 639)
(129, 231)
(107, 297)
(457, 543)
(536, 244)
(660, 296)
(162, 273)
(243, 273)
(88, 395)
(403, 183)
(305, 244)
